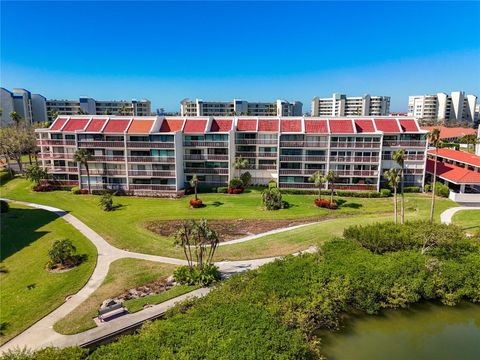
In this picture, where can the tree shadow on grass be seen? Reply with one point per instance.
(116, 207)
(345, 204)
(19, 229)
(217, 203)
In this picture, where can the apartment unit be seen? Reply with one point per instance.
(157, 156)
(239, 107)
(343, 105)
(443, 107)
(86, 105)
(31, 107)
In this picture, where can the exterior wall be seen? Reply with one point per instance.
(341, 105)
(39, 108)
(6, 101)
(158, 163)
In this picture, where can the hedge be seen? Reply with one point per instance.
(357, 194)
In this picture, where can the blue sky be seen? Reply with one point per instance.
(166, 51)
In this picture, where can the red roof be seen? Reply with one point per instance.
(95, 125)
(140, 126)
(195, 126)
(247, 125)
(447, 133)
(341, 126)
(291, 125)
(364, 125)
(453, 173)
(57, 124)
(221, 125)
(116, 125)
(387, 125)
(408, 125)
(316, 127)
(268, 125)
(171, 125)
(75, 124)
(459, 156)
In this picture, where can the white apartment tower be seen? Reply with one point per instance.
(342, 105)
(443, 107)
(199, 107)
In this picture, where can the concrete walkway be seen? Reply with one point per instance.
(447, 215)
(41, 333)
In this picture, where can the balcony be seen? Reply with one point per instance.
(359, 159)
(54, 156)
(61, 169)
(299, 171)
(361, 173)
(220, 171)
(407, 157)
(252, 154)
(413, 171)
(151, 173)
(296, 158)
(56, 142)
(346, 187)
(256, 141)
(101, 144)
(152, 159)
(355, 145)
(150, 145)
(291, 185)
(105, 172)
(107, 158)
(405, 143)
(205, 157)
(148, 187)
(222, 144)
(302, 144)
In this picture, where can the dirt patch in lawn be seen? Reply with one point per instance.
(227, 229)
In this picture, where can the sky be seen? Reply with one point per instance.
(255, 51)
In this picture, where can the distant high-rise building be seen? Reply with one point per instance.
(31, 107)
(343, 105)
(443, 107)
(239, 107)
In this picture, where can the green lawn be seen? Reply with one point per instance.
(468, 220)
(124, 228)
(123, 274)
(28, 291)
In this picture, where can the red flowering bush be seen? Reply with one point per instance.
(43, 187)
(231, 190)
(326, 204)
(196, 203)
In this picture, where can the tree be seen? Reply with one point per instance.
(36, 173)
(16, 141)
(470, 139)
(62, 252)
(239, 164)
(108, 112)
(393, 178)
(202, 238)
(331, 177)
(272, 199)
(123, 110)
(434, 139)
(106, 202)
(194, 183)
(54, 114)
(16, 118)
(399, 158)
(318, 179)
(82, 157)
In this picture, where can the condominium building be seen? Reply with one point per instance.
(31, 107)
(239, 107)
(343, 105)
(443, 107)
(157, 156)
(86, 105)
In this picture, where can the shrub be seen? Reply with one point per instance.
(196, 203)
(49, 353)
(341, 193)
(186, 275)
(103, 192)
(441, 190)
(246, 178)
(235, 183)
(43, 187)
(385, 193)
(235, 191)
(76, 190)
(62, 253)
(272, 199)
(4, 207)
(412, 189)
(35, 173)
(222, 189)
(106, 202)
(325, 204)
(272, 184)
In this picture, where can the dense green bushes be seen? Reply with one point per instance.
(272, 199)
(341, 193)
(4, 207)
(440, 189)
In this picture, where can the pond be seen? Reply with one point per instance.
(427, 332)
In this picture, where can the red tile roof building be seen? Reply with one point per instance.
(447, 133)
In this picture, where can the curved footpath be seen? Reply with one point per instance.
(447, 215)
(41, 334)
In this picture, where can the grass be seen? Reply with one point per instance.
(124, 227)
(28, 291)
(123, 274)
(468, 220)
(135, 305)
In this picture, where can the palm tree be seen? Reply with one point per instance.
(393, 178)
(331, 177)
(318, 179)
(399, 157)
(239, 164)
(82, 157)
(434, 138)
(194, 183)
(16, 118)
